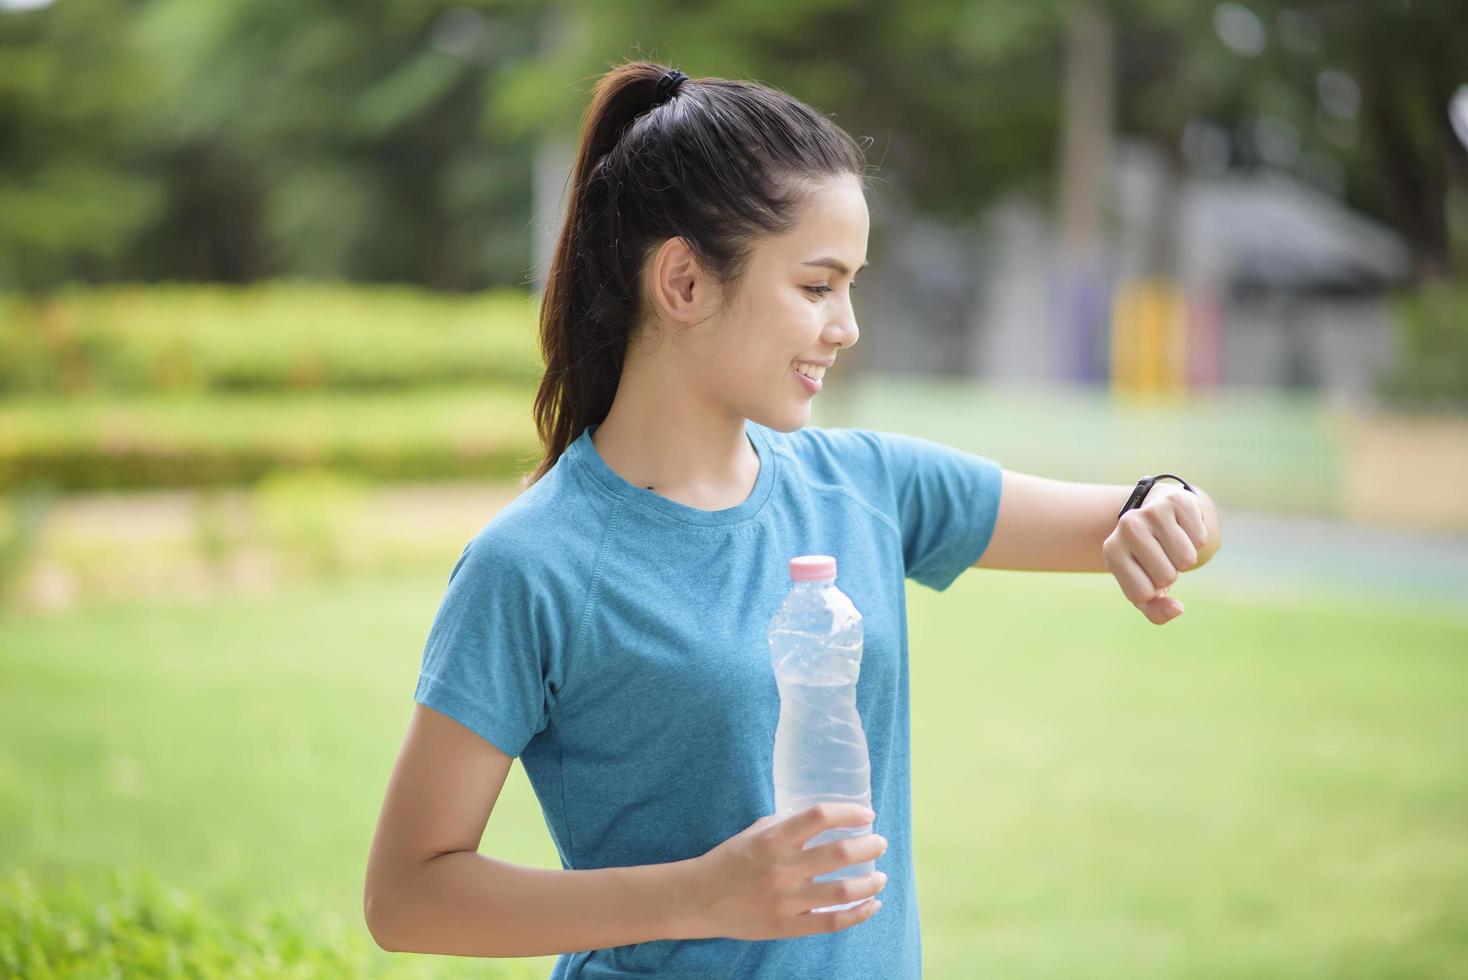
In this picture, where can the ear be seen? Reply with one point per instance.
(680, 289)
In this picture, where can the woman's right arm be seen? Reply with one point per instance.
(428, 890)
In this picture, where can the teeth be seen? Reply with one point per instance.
(811, 370)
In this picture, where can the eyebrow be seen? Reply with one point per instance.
(835, 264)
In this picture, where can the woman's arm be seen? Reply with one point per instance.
(428, 890)
(469, 904)
(1049, 525)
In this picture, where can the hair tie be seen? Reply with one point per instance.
(668, 86)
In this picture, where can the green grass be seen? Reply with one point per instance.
(236, 750)
(1253, 790)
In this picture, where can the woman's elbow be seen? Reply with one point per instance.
(378, 917)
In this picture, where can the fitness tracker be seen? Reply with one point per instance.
(1144, 485)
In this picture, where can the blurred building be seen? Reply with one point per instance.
(1273, 283)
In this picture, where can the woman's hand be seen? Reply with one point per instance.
(1152, 545)
(758, 884)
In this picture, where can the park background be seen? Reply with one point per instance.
(268, 285)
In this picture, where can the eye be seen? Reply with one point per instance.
(822, 290)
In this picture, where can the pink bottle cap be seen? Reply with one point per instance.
(812, 568)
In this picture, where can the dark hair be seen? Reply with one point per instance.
(720, 164)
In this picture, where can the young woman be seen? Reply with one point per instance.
(608, 626)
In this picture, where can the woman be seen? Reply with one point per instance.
(608, 626)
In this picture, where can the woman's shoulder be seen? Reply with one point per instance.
(542, 533)
(833, 452)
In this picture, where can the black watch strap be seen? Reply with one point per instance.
(1144, 485)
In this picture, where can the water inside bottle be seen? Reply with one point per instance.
(820, 752)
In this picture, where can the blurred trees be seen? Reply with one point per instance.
(72, 186)
(238, 139)
(1351, 96)
(309, 138)
(393, 139)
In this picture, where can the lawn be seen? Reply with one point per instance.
(1258, 789)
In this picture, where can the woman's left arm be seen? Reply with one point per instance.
(1048, 525)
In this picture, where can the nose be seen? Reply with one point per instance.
(845, 333)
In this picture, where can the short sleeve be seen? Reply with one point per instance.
(486, 658)
(947, 505)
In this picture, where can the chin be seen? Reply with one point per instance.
(786, 421)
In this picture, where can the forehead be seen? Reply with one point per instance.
(834, 222)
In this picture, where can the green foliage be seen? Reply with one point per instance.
(1434, 332)
(311, 139)
(241, 139)
(277, 336)
(212, 385)
(1349, 97)
(71, 190)
(244, 139)
(100, 443)
(959, 100)
(137, 926)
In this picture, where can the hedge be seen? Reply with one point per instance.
(277, 336)
(137, 926)
(106, 443)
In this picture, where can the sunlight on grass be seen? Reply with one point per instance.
(1254, 789)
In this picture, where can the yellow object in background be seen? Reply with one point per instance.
(1149, 338)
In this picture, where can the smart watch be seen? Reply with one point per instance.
(1144, 485)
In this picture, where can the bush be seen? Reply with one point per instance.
(140, 928)
(267, 337)
(1434, 368)
(136, 926)
(216, 440)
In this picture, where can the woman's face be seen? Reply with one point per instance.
(794, 307)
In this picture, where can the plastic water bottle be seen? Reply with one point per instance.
(820, 747)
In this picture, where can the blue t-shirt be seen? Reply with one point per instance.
(615, 641)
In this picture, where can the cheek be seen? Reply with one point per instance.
(780, 328)
(800, 319)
